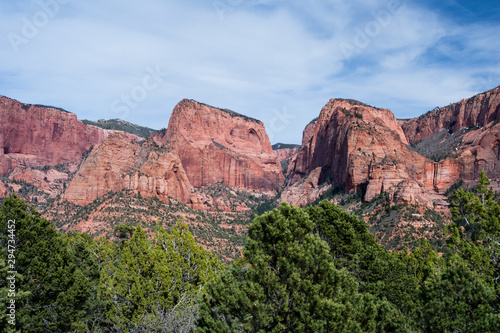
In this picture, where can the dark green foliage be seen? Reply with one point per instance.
(475, 232)
(278, 146)
(355, 249)
(123, 231)
(55, 279)
(146, 281)
(455, 300)
(120, 125)
(288, 282)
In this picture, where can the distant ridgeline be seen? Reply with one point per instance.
(121, 125)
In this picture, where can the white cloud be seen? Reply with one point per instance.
(256, 57)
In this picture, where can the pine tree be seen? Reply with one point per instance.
(150, 284)
(355, 249)
(53, 290)
(456, 300)
(474, 233)
(287, 281)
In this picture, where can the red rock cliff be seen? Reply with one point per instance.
(284, 154)
(479, 148)
(357, 146)
(33, 135)
(121, 163)
(479, 110)
(218, 145)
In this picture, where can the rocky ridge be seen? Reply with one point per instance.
(122, 164)
(479, 110)
(219, 145)
(359, 147)
(35, 135)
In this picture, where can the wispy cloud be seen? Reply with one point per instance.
(256, 57)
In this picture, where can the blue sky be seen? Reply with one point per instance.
(275, 60)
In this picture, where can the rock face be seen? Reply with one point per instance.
(50, 181)
(309, 131)
(3, 190)
(479, 149)
(360, 147)
(219, 145)
(305, 191)
(32, 135)
(479, 110)
(284, 154)
(121, 163)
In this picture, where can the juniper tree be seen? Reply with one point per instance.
(53, 288)
(287, 282)
(149, 283)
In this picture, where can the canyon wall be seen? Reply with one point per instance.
(121, 163)
(219, 145)
(32, 135)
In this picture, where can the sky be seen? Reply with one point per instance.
(279, 61)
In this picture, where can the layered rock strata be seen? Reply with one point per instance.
(219, 145)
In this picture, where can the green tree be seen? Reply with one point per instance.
(150, 283)
(456, 300)
(53, 288)
(287, 281)
(475, 232)
(355, 249)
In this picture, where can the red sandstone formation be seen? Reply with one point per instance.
(284, 154)
(121, 163)
(3, 190)
(309, 131)
(50, 181)
(480, 150)
(218, 145)
(357, 146)
(32, 135)
(479, 110)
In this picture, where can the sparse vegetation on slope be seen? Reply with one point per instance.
(121, 125)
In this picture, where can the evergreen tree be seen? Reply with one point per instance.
(288, 282)
(150, 284)
(53, 290)
(455, 300)
(355, 249)
(475, 232)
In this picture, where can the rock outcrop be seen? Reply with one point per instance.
(3, 190)
(480, 150)
(356, 146)
(219, 145)
(478, 110)
(479, 118)
(50, 181)
(285, 152)
(309, 131)
(34, 135)
(121, 163)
